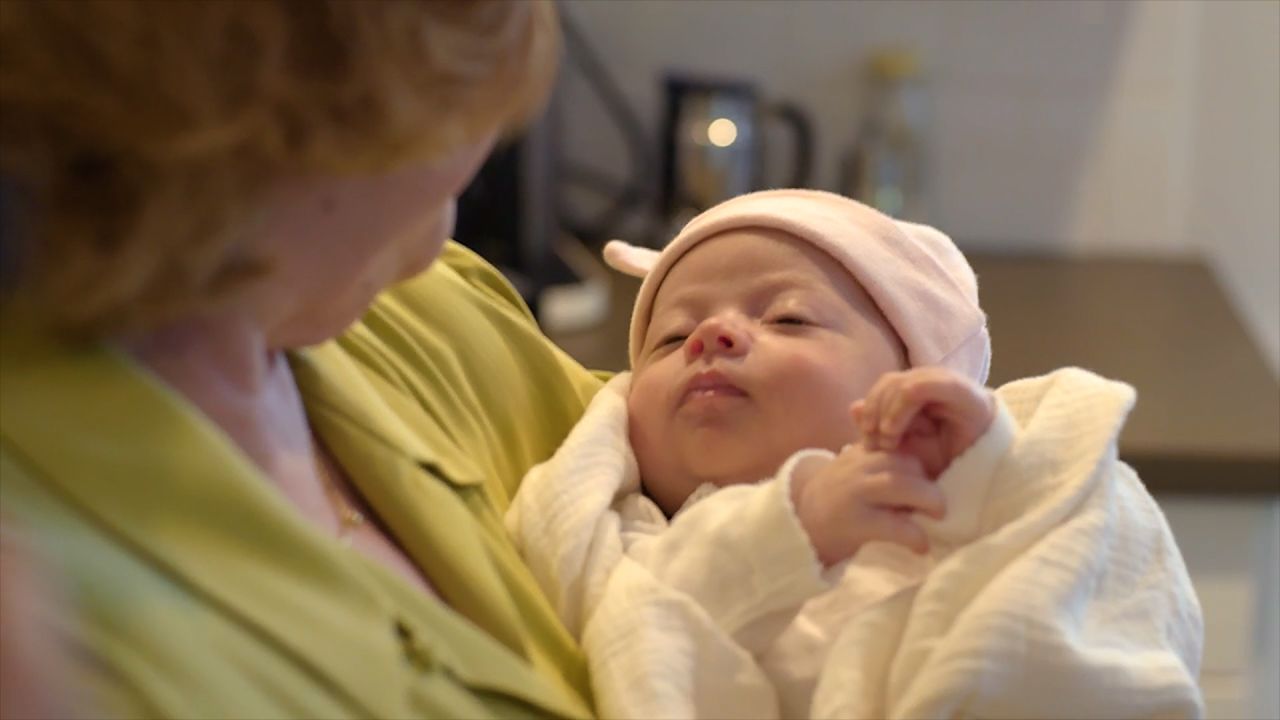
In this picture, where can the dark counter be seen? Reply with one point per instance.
(1208, 411)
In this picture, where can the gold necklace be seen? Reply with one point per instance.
(349, 518)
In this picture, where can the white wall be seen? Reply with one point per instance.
(1057, 125)
(1234, 212)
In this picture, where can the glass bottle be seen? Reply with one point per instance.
(885, 166)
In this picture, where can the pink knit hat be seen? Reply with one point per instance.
(914, 273)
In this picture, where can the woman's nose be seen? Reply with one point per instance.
(717, 336)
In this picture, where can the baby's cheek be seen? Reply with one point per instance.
(821, 391)
(643, 412)
(642, 388)
(838, 379)
(645, 433)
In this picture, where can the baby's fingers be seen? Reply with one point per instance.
(874, 406)
(911, 491)
(897, 527)
(928, 386)
(867, 434)
(908, 400)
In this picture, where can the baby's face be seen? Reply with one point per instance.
(757, 346)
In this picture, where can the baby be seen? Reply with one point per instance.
(727, 530)
(753, 337)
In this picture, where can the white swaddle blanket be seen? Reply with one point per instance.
(1053, 588)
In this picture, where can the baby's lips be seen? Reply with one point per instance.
(712, 381)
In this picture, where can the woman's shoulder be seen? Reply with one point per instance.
(463, 322)
(459, 342)
(476, 272)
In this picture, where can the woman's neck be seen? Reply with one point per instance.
(231, 373)
(226, 368)
(226, 351)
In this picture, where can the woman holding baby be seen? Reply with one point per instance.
(260, 422)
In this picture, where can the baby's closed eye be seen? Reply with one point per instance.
(790, 320)
(672, 339)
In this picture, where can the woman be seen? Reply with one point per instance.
(262, 454)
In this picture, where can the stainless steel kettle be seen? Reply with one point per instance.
(714, 144)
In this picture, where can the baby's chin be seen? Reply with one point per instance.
(671, 493)
(737, 473)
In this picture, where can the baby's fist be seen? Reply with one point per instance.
(931, 413)
(863, 495)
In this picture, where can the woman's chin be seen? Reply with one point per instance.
(418, 263)
(413, 270)
(331, 316)
(321, 324)
(312, 334)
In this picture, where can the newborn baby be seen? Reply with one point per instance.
(745, 524)
(757, 345)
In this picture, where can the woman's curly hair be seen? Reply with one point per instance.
(137, 139)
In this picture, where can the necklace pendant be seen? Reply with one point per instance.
(351, 518)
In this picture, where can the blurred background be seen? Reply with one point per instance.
(1112, 169)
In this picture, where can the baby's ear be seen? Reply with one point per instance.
(630, 259)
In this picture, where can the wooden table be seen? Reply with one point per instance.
(1208, 413)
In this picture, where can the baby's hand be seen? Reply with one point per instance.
(860, 496)
(930, 413)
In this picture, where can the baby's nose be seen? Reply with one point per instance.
(717, 336)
